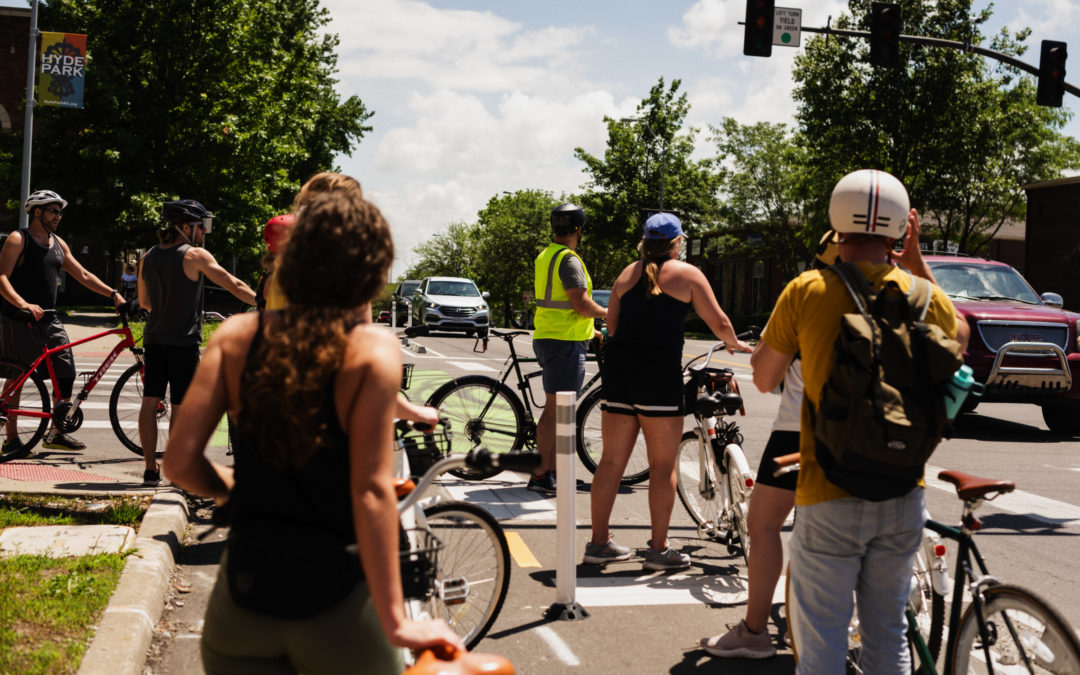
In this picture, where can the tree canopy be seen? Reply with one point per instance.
(229, 102)
(961, 131)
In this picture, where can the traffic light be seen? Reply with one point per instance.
(1051, 73)
(885, 24)
(757, 39)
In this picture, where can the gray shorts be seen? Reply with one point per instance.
(24, 344)
(563, 362)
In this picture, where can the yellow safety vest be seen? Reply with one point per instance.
(555, 316)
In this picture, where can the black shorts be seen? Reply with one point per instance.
(780, 443)
(169, 365)
(641, 382)
(25, 344)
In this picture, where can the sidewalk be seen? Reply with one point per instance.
(124, 633)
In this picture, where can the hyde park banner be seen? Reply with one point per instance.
(63, 70)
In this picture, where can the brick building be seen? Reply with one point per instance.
(1052, 257)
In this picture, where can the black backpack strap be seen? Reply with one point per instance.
(25, 232)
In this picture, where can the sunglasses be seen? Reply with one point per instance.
(55, 211)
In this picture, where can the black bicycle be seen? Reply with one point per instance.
(488, 412)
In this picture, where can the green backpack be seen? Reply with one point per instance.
(882, 411)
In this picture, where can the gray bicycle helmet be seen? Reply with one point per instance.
(43, 197)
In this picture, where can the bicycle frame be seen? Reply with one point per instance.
(127, 342)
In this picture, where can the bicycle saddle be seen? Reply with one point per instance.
(708, 405)
(974, 487)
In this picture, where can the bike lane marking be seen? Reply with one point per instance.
(520, 551)
(1019, 502)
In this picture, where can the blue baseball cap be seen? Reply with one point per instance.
(663, 226)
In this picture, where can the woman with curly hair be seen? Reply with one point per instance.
(312, 388)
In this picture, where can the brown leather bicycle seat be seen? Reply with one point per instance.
(974, 487)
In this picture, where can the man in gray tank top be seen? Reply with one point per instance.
(171, 277)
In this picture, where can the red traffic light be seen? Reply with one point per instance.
(1051, 73)
(758, 34)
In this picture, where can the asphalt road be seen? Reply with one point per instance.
(648, 622)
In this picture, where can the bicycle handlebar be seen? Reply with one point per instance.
(26, 315)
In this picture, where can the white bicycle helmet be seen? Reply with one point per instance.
(43, 197)
(869, 201)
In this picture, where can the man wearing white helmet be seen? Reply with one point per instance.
(843, 545)
(30, 264)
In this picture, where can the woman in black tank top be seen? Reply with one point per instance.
(312, 388)
(642, 383)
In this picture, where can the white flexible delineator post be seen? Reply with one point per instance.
(566, 607)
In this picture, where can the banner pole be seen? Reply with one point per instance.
(28, 122)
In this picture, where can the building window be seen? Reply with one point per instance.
(695, 246)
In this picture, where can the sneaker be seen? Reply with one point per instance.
(740, 642)
(668, 559)
(544, 484)
(601, 554)
(151, 477)
(58, 441)
(14, 449)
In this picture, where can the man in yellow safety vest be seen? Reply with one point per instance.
(564, 325)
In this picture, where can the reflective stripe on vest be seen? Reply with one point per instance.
(555, 316)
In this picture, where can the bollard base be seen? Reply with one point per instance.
(570, 611)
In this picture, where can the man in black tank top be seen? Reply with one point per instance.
(30, 264)
(170, 284)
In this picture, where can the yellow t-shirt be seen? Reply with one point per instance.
(806, 319)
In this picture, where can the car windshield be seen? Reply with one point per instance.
(465, 289)
(601, 297)
(966, 281)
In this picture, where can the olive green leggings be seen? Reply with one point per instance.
(345, 639)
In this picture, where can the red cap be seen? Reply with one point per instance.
(275, 229)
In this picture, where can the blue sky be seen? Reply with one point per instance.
(472, 98)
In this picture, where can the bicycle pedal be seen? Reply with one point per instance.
(454, 591)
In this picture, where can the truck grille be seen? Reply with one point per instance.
(997, 333)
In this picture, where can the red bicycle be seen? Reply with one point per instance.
(26, 409)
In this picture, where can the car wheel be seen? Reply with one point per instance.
(1062, 419)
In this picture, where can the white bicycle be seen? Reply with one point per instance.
(714, 479)
(455, 558)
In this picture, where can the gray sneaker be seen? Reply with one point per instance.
(741, 643)
(668, 559)
(601, 554)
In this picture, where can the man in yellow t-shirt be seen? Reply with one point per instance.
(844, 546)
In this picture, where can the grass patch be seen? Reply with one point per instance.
(50, 606)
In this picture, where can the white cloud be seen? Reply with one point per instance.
(452, 49)
(1048, 20)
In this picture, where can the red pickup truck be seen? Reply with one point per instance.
(1024, 347)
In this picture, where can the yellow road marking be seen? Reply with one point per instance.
(519, 551)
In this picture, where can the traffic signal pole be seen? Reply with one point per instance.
(940, 42)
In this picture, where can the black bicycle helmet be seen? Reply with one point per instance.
(567, 218)
(187, 211)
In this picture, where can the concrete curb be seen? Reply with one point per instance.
(124, 633)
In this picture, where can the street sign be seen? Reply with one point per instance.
(787, 26)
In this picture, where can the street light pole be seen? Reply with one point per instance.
(663, 154)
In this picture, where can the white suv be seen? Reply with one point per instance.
(449, 303)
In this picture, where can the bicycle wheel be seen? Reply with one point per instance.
(1024, 634)
(32, 397)
(739, 494)
(474, 568)
(124, 405)
(481, 411)
(698, 487)
(590, 441)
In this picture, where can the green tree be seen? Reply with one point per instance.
(230, 102)
(446, 254)
(510, 233)
(624, 185)
(961, 131)
(762, 170)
